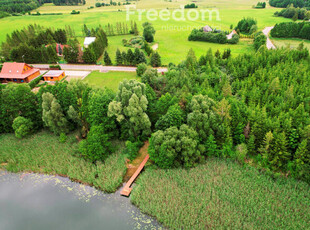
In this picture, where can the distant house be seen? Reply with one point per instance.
(18, 72)
(229, 36)
(54, 75)
(207, 29)
(88, 41)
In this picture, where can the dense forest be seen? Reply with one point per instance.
(291, 30)
(19, 6)
(249, 107)
(285, 3)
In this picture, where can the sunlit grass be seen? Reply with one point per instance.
(43, 153)
(222, 195)
(110, 79)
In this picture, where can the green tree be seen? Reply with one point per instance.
(89, 56)
(107, 59)
(97, 146)
(174, 147)
(22, 126)
(53, 116)
(174, 117)
(211, 146)
(155, 60)
(141, 68)
(118, 58)
(148, 32)
(130, 106)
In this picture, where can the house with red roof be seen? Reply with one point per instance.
(18, 73)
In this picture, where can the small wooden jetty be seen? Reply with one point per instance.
(127, 189)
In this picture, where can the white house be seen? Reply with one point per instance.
(88, 41)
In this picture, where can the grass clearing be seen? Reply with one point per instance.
(110, 79)
(292, 42)
(222, 195)
(43, 153)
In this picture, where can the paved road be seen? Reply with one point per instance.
(96, 68)
(269, 43)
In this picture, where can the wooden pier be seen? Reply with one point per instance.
(127, 189)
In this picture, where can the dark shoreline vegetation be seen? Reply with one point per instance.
(252, 109)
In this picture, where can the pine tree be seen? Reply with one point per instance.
(130, 57)
(155, 60)
(89, 56)
(107, 59)
(118, 58)
(124, 57)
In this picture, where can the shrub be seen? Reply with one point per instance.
(141, 68)
(241, 152)
(22, 126)
(62, 138)
(132, 149)
(97, 146)
(259, 40)
(198, 35)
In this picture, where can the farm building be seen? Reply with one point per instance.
(88, 41)
(207, 29)
(18, 72)
(54, 75)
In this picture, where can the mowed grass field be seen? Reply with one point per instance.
(43, 153)
(110, 79)
(222, 195)
(171, 35)
(293, 43)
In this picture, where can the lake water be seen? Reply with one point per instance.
(42, 202)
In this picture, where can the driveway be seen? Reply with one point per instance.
(269, 43)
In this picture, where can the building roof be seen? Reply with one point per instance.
(89, 40)
(53, 73)
(16, 70)
(207, 29)
(229, 36)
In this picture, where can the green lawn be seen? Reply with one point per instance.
(222, 195)
(110, 79)
(43, 153)
(292, 43)
(171, 35)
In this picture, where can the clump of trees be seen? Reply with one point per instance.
(19, 6)
(260, 5)
(148, 32)
(284, 4)
(200, 35)
(294, 13)
(245, 25)
(291, 30)
(191, 5)
(260, 39)
(34, 44)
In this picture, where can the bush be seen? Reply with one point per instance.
(241, 152)
(22, 126)
(62, 138)
(198, 35)
(259, 40)
(97, 146)
(75, 12)
(34, 82)
(132, 149)
(55, 67)
(192, 5)
(141, 68)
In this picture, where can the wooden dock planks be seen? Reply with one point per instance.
(127, 189)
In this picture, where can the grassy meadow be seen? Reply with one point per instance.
(110, 79)
(43, 153)
(222, 195)
(171, 35)
(292, 42)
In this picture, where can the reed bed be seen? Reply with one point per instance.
(43, 153)
(222, 195)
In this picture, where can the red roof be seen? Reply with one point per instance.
(16, 70)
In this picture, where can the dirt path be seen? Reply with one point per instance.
(269, 43)
(155, 46)
(133, 165)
